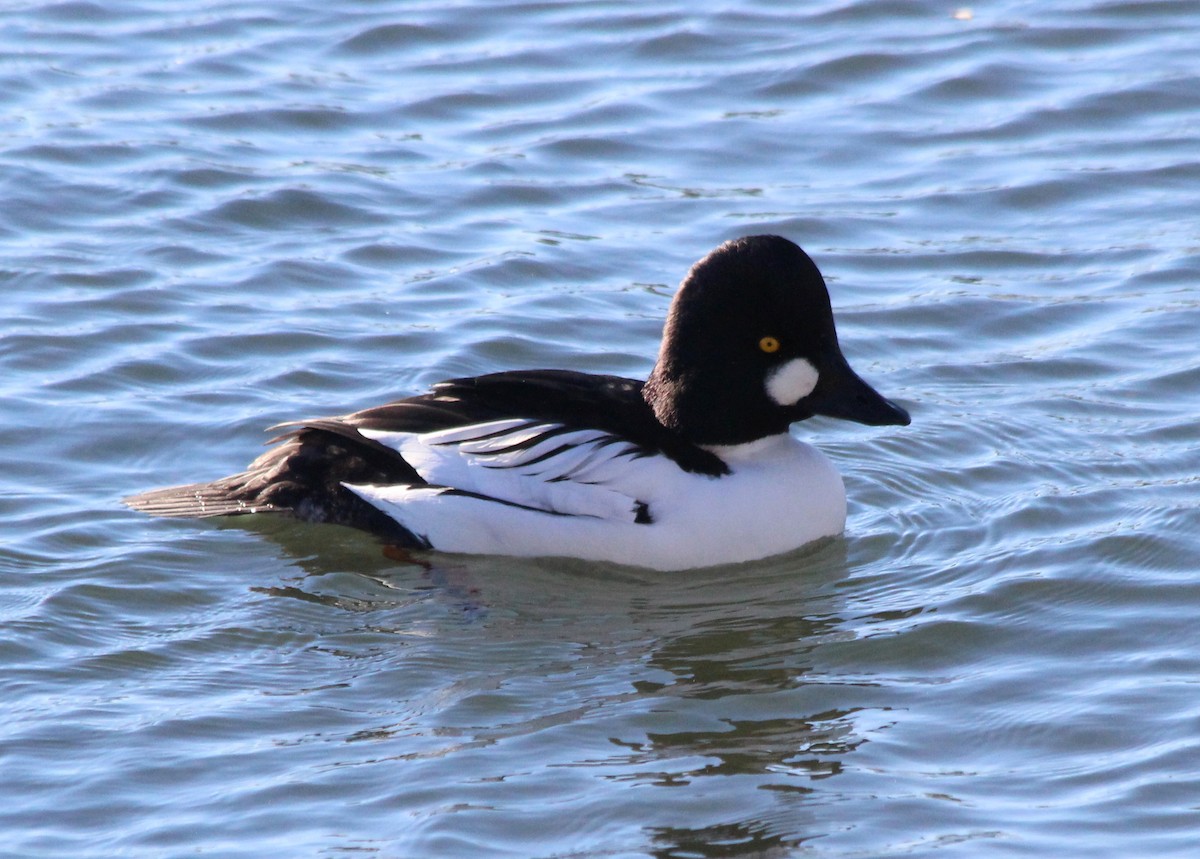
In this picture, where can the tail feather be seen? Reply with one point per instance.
(197, 500)
(304, 476)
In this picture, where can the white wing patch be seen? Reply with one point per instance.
(535, 466)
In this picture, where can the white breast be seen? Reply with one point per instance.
(526, 489)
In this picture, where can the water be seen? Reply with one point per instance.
(219, 215)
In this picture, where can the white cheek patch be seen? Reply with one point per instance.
(791, 381)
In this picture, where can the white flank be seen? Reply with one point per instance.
(582, 501)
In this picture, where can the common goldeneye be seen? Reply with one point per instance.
(691, 468)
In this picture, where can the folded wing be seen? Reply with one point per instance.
(520, 464)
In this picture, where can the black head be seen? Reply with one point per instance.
(750, 347)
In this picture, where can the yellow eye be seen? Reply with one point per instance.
(769, 344)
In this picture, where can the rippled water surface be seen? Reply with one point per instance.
(217, 216)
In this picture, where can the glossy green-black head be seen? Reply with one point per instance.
(750, 347)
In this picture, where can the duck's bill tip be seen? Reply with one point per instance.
(897, 416)
(852, 399)
(861, 410)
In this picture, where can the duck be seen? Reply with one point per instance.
(694, 467)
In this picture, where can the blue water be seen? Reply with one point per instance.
(217, 216)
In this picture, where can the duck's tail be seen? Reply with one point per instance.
(303, 476)
(225, 497)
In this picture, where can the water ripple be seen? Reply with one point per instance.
(219, 217)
